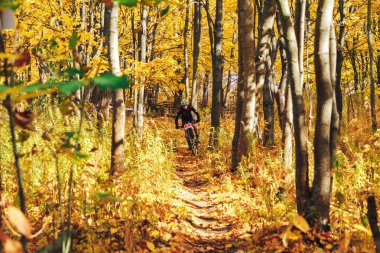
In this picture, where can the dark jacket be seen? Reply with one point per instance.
(186, 115)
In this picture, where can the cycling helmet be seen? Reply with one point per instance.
(184, 102)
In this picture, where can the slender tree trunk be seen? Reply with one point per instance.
(284, 73)
(353, 56)
(205, 90)
(335, 118)
(247, 52)
(372, 218)
(217, 75)
(287, 132)
(196, 50)
(269, 93)
(378, 70)
(340, 57)
(105, 95)
(229, 78)
(143, 34)
(118, 108)
(285, 104)
(322, 184)
(185, 50)
(299, 27)
(8, 105)
(263, 68)
(265, 33)
(300, 131)
(134, 81)
(372, 74)
(210, 30)
(235, 159)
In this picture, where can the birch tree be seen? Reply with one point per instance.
(118, 108)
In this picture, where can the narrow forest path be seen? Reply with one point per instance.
(209, 222)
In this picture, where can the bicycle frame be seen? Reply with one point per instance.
(190, 134)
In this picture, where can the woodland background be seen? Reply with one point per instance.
(288, 92)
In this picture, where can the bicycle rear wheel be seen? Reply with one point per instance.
(194, 148)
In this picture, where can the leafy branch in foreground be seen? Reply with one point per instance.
(104, 81)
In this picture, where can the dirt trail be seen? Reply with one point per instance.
(210, 223)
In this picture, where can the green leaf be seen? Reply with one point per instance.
(102, 195)
(32, 88)
(5, 4)
(69, 134)
(81, 155)
(3, 88)
(129, 3)
(112, 82)
(73, 40)
(72, 72)
(164, 11)
(70, 87)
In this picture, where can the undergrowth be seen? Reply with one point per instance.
(124, 212)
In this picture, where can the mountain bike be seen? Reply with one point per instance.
(191, 139)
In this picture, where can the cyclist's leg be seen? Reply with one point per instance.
(188, 140)
(196, 130)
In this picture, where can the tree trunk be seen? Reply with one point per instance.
(372, 74)
(287, 132)
(299, 27)
(300, 131)
(205, 91)
(340, 57)
(196, 50)
(335, 118)
(265, 33)
(372, 218)
(229, 78)
(143, 34)
(185, 50)
(247, 52)
(284, 100)
(378, 70)
(135, 91)
(118, 109)
(263, 66)
(321, 193)
(217, 74)
(105, 95)
(353, 63)
(210, 30)
(269, 92)
(235, 159)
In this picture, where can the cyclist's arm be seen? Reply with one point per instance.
(196, 113)
(177, 117)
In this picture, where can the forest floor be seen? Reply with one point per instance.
(171, 201)
(210, 224)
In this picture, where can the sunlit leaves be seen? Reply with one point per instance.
(299, 222)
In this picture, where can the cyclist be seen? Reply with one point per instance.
(185, 113)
